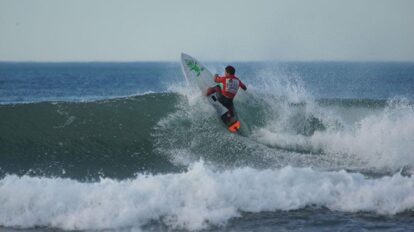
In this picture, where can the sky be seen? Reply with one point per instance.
(221, 30)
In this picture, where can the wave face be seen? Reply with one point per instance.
(83, 140)
(160, 159)
(164, 132)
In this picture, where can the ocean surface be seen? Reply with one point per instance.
(325, 146)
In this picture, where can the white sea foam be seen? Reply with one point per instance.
(194, 199)
(381, 140)
(378, 139)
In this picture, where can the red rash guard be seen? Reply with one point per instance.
(229, 85)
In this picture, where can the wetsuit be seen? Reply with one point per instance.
(228, 85)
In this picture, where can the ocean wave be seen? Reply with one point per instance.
(68, 99)
(83, 140)
(158, 132)
(194, 199)
(380, 139)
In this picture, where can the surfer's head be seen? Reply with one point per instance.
(230, 70)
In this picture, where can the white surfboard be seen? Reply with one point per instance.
(198, 74)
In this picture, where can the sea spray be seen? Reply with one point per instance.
(382, 140)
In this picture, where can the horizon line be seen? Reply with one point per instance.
(208, 60)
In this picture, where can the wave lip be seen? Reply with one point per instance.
(194, 199)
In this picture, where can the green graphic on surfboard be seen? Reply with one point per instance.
(194, 66)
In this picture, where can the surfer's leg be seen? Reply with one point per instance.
(231, 110)
(210, 90)
(228, 118)
(214, 89)
(230, 114)
(228, 103)
(225, 119)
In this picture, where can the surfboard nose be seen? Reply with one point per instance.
(183, 55)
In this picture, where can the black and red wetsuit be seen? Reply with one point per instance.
(227, 87)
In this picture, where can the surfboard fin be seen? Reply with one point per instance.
(234, 127)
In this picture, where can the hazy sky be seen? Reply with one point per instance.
(94, 30)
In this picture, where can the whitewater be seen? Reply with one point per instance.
(132, 147)
(193, 199)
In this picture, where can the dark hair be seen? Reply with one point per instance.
(230, 70)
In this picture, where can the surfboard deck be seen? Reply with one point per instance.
(197, 74)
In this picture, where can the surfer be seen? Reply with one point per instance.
(227, 88)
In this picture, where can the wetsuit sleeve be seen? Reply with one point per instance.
(219, 79)
(242, 85)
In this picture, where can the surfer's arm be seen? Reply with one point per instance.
(218, 79)
(242, 85)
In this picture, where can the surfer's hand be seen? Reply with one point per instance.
(215, 76)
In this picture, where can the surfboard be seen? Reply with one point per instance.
(197, 74)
